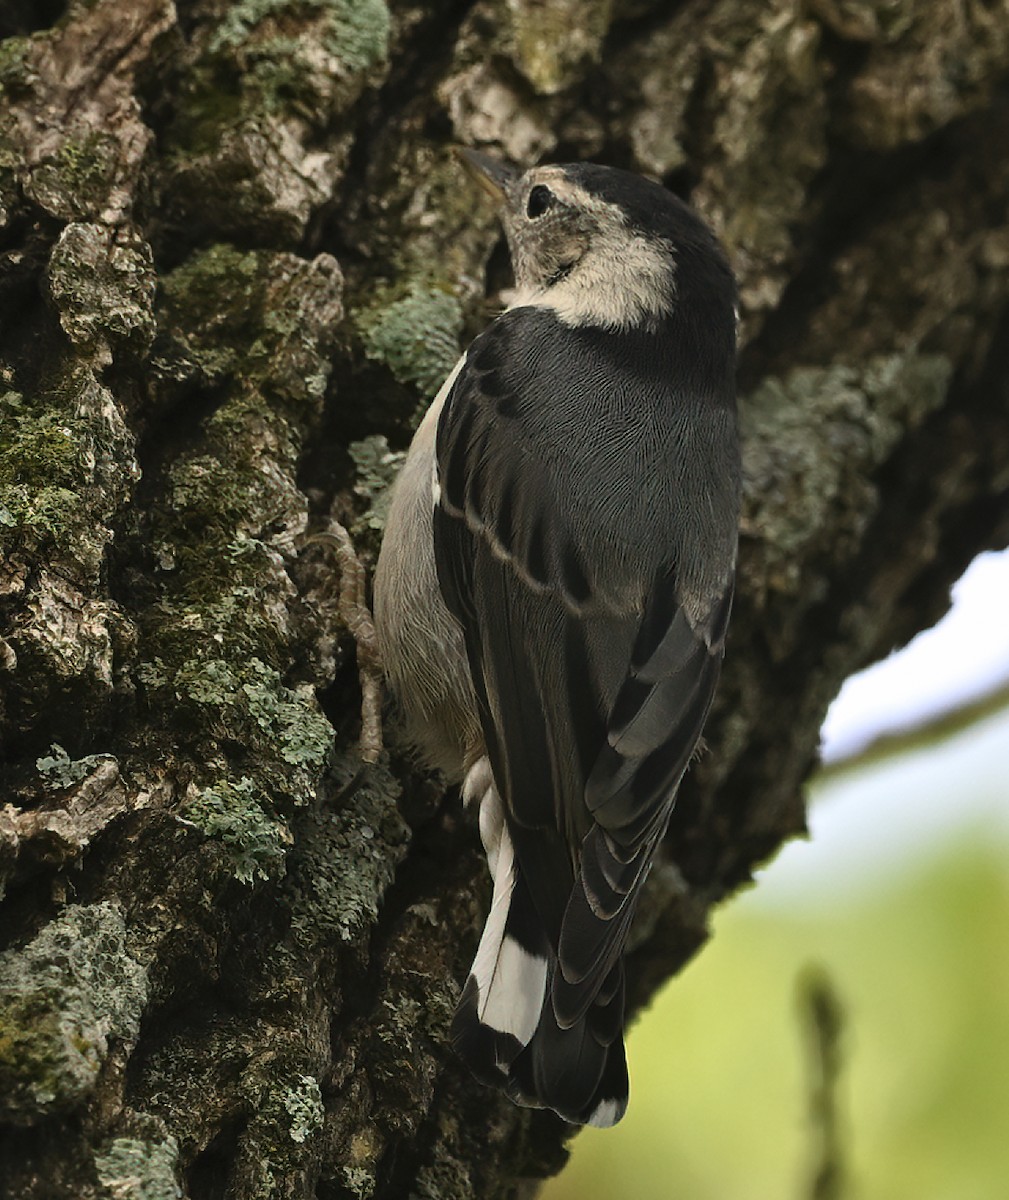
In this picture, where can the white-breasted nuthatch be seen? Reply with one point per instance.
(552, 596)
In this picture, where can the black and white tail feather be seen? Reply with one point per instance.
(506, 1027)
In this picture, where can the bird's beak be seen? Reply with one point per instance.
(493, 176)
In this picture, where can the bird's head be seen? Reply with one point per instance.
(599, 245)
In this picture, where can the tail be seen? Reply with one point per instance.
(580, 1071)
(505, 1027)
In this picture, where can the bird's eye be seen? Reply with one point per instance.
(540, 199)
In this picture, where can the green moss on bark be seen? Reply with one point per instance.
(102, 282)
(416, 335)
(303, 1104)
(356, 33)
(139, 1170)
(346, 860)
(241, 816)
(256, 328)
(16, 75)
(264, 83)
(255, 320)
(554, 45)
(63, 998)
(73, 183)
(66, 467)
(812, 444)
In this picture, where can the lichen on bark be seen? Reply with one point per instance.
(236, 255)
(63, 998)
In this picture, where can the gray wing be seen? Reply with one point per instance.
(593, 675)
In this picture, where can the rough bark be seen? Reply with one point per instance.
(235, 253)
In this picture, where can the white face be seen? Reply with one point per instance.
(576, 254)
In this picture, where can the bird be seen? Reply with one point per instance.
(552, 595)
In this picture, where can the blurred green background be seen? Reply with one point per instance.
(901, 898)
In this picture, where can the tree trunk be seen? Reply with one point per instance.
(235, 253)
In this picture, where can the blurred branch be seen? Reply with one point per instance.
(822, 1016)
(929, 732)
